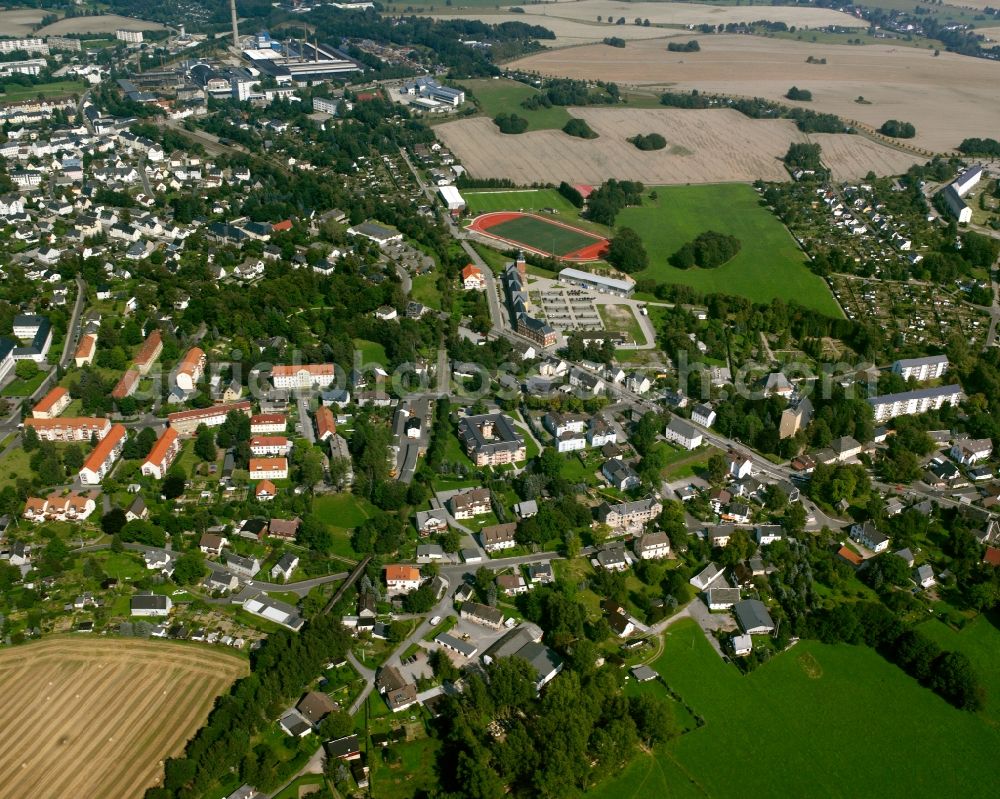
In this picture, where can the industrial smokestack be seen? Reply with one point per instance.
(236, 29)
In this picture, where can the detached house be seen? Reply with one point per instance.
(652, 546)
(683, 434)
(740, 465)
(971, 451)
(625, 516)
(498, 536)
(620, 475)
(402, 579)
(471, 503)
(868, 535)
(473, 279)
(703, 414)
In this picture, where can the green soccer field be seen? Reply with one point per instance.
(768, 266)
(541, 235)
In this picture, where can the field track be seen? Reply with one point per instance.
(575, 248)
(91, 717)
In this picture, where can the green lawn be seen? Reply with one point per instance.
(540, 234)
(371, 351)
(343, 510)
(425, 291)
(481, 202)
(980, 641)
(292, 790)
(24, 388)
(817, 721)
(496, 96)
(61, 88)
(16, 464)
(769, 265)
(413, 774)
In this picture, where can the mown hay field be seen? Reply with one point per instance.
(95, 717)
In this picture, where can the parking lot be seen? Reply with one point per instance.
(570, 308)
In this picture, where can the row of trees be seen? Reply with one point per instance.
(949, 674)
(285, 663)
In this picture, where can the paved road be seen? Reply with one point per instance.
(405, 281)
(79, 109)
(369, 677)
(73, 330)
(305, 423)
(141, 169)
(300, 587)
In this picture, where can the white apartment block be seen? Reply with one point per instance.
(889, 406)
(100, 462)
(319, 375)
(920, 369)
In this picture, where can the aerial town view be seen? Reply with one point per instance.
(469, 400)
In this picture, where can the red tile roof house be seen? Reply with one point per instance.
(103, 457)
(69, 428)
(52, 404)
(265, 490)
(163, 453)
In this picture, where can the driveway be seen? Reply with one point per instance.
(711, 622)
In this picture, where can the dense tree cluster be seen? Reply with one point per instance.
(627, 252)
(510, 123)
(803, 155)
(833, 483)
(571, 193)
(579, 128)
(801, 95)
(612, 196)
(897, 129)
(708, 250)
(976, 146)
(648, 141)
(614, 41)
(566, 91)
(691, 46)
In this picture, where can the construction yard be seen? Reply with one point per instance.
(96, 717)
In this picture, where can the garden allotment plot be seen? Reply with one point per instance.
(541, 235)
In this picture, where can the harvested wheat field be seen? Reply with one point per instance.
(703, 146)
(947, 98)
(659, 13)
(103, 23)
(90, 717)
(573, 31)
(19, 21)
